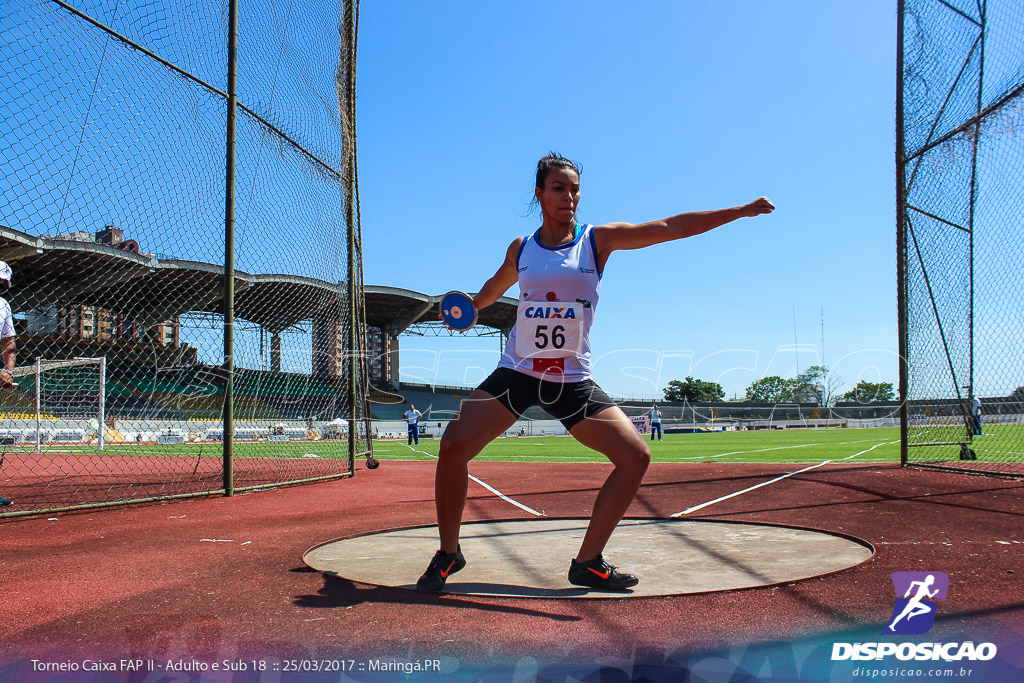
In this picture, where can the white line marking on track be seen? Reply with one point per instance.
(772, 481)
(989, 450)
(487, 486)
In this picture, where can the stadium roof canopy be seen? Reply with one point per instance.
(58, 270)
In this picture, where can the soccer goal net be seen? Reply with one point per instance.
(60, 401)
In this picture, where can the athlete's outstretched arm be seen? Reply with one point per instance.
(616, 236)
(499, 283)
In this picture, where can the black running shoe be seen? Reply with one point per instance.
(4, 502)
(442, 565)
(599, 574)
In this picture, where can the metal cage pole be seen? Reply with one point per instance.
(39, 396)
(901, 239)
(983, 6)
(229, 253)
(353, 276)
(103, 402)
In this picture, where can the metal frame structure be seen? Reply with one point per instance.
(965, 130)
(132, 270)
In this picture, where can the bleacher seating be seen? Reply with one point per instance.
(438, 405)
(194, 392)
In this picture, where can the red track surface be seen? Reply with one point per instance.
(142, 582)
(55, 480)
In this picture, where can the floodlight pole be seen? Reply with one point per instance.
(229, 253)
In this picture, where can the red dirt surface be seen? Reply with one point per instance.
(222, 578)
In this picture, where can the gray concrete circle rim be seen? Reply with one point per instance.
(529, 558)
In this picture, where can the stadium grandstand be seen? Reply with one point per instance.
(156, 379)
(92, 295)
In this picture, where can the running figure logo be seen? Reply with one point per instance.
(914, 613)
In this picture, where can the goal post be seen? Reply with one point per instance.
(66, 392)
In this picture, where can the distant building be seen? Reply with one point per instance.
(329, 340)
(77, 322)
(73, 321)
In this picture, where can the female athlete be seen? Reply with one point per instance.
(547, 363)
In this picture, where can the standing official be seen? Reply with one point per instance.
(412, 416)
(976, 416)
(655, 421)
(7, 340)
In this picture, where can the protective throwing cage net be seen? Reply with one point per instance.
(114, 217)
(960, 170)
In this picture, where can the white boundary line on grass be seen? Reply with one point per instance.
(762, 450)
(487, 486)
(772, 481)
(758, 450)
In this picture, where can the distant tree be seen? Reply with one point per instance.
(771, 389)
(866, 392)
(807, 383)
(694, 391)
(1017, 394)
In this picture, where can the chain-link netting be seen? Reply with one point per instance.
(113, 215)
(961, 169)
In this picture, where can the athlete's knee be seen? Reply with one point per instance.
(644, 456)
(636, 459)
(457, 446)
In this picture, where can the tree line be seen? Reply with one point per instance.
(813, 385)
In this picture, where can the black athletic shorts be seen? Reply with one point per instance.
(568, 402)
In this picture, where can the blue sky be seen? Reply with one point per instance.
(670, 107)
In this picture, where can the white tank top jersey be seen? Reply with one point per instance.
(558, 292)
(6, 320)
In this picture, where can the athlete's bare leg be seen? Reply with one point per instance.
(611, 433)
(481, 419)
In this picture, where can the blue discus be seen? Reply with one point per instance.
(458, 311)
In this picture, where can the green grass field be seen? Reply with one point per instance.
(1001, 443)
(762, 446)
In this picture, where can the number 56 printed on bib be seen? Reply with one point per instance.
(552, 329)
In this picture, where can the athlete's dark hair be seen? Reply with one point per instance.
(544, 166)
(554, 160)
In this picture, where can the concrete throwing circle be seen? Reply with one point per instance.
(530, 558)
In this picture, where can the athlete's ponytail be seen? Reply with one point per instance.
(554, 160)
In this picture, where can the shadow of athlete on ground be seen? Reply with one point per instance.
(341, 592)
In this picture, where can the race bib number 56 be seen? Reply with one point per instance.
(552, 329)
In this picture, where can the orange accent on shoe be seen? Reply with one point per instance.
(444, 574)
(603, 575)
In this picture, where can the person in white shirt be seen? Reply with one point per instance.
(655, 421)
(8, 351)
(412, 416)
